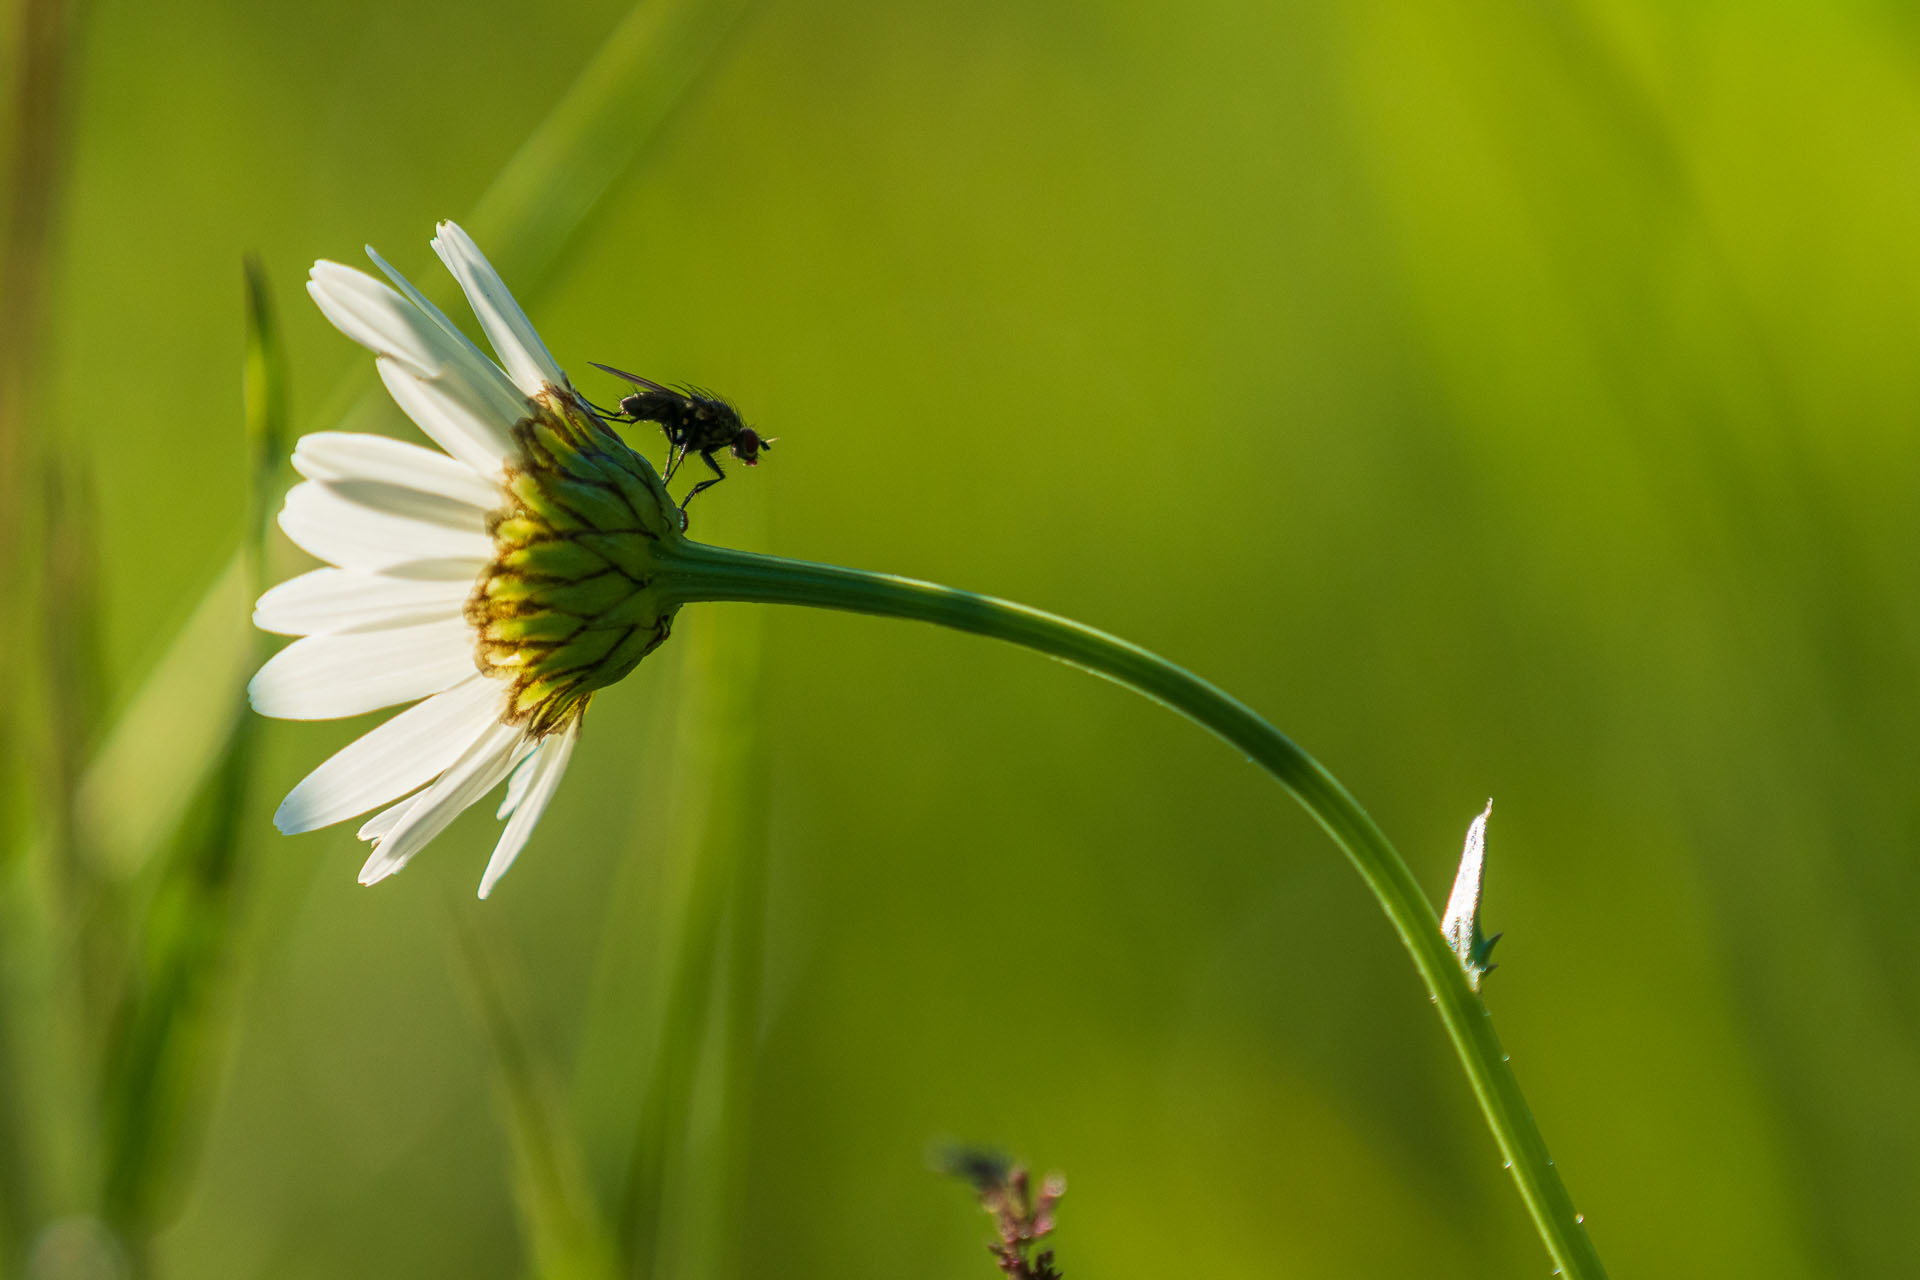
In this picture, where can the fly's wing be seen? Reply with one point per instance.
(634, 378)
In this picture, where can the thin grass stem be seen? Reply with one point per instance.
(717, 797)
(163, 1042)
(39, 90)
(560, 1223)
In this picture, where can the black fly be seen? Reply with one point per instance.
(694, 421)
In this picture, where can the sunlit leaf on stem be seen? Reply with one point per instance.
(1461, 921)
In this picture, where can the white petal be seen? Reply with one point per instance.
(508, 329)
(425, 304)
(477, 772)
(372, 527)
(387, 324)
(517, 785)
(544, 771)
(407, 751)
(387, 819)
(351, 455)
(333, 601)
(442, 512)
(459, 569)
(325, 677)
(478, 435)
(429, 351)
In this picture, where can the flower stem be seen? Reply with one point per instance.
(697, 572)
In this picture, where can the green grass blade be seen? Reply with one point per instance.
(167, 1035)
(565, 1236)
(263, 391)
(167, 1032)
(37, 92)
(714, 1167)
(158, 751)
(616, 107)
(35, 141)
(88, 907)
(674, 1212)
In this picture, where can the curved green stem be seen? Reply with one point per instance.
(696, 572)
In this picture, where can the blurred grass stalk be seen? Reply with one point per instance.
(165, 1034)
(562, 1228)
(40, 57)
(674, 1211)
(686, 1165)
(685, 1168)
(87, 905)
(34, 144)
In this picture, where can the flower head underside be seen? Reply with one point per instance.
(495, 582)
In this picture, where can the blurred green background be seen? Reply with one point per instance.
(1507, 399)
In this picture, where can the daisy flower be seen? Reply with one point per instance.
(495, 582)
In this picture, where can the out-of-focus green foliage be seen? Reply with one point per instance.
(564, 1235)
(1506, 399)
(164, 1031)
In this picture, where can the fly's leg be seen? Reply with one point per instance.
(706, 456)
(676, 452)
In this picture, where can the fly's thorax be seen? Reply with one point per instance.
(567, 605)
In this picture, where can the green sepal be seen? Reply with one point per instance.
(588, 598)
(583, 650)
(601, 506)
(625, 656)
(531, 628)
(569, 604)
(632, 556)
(568, 560)
(640, 609)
